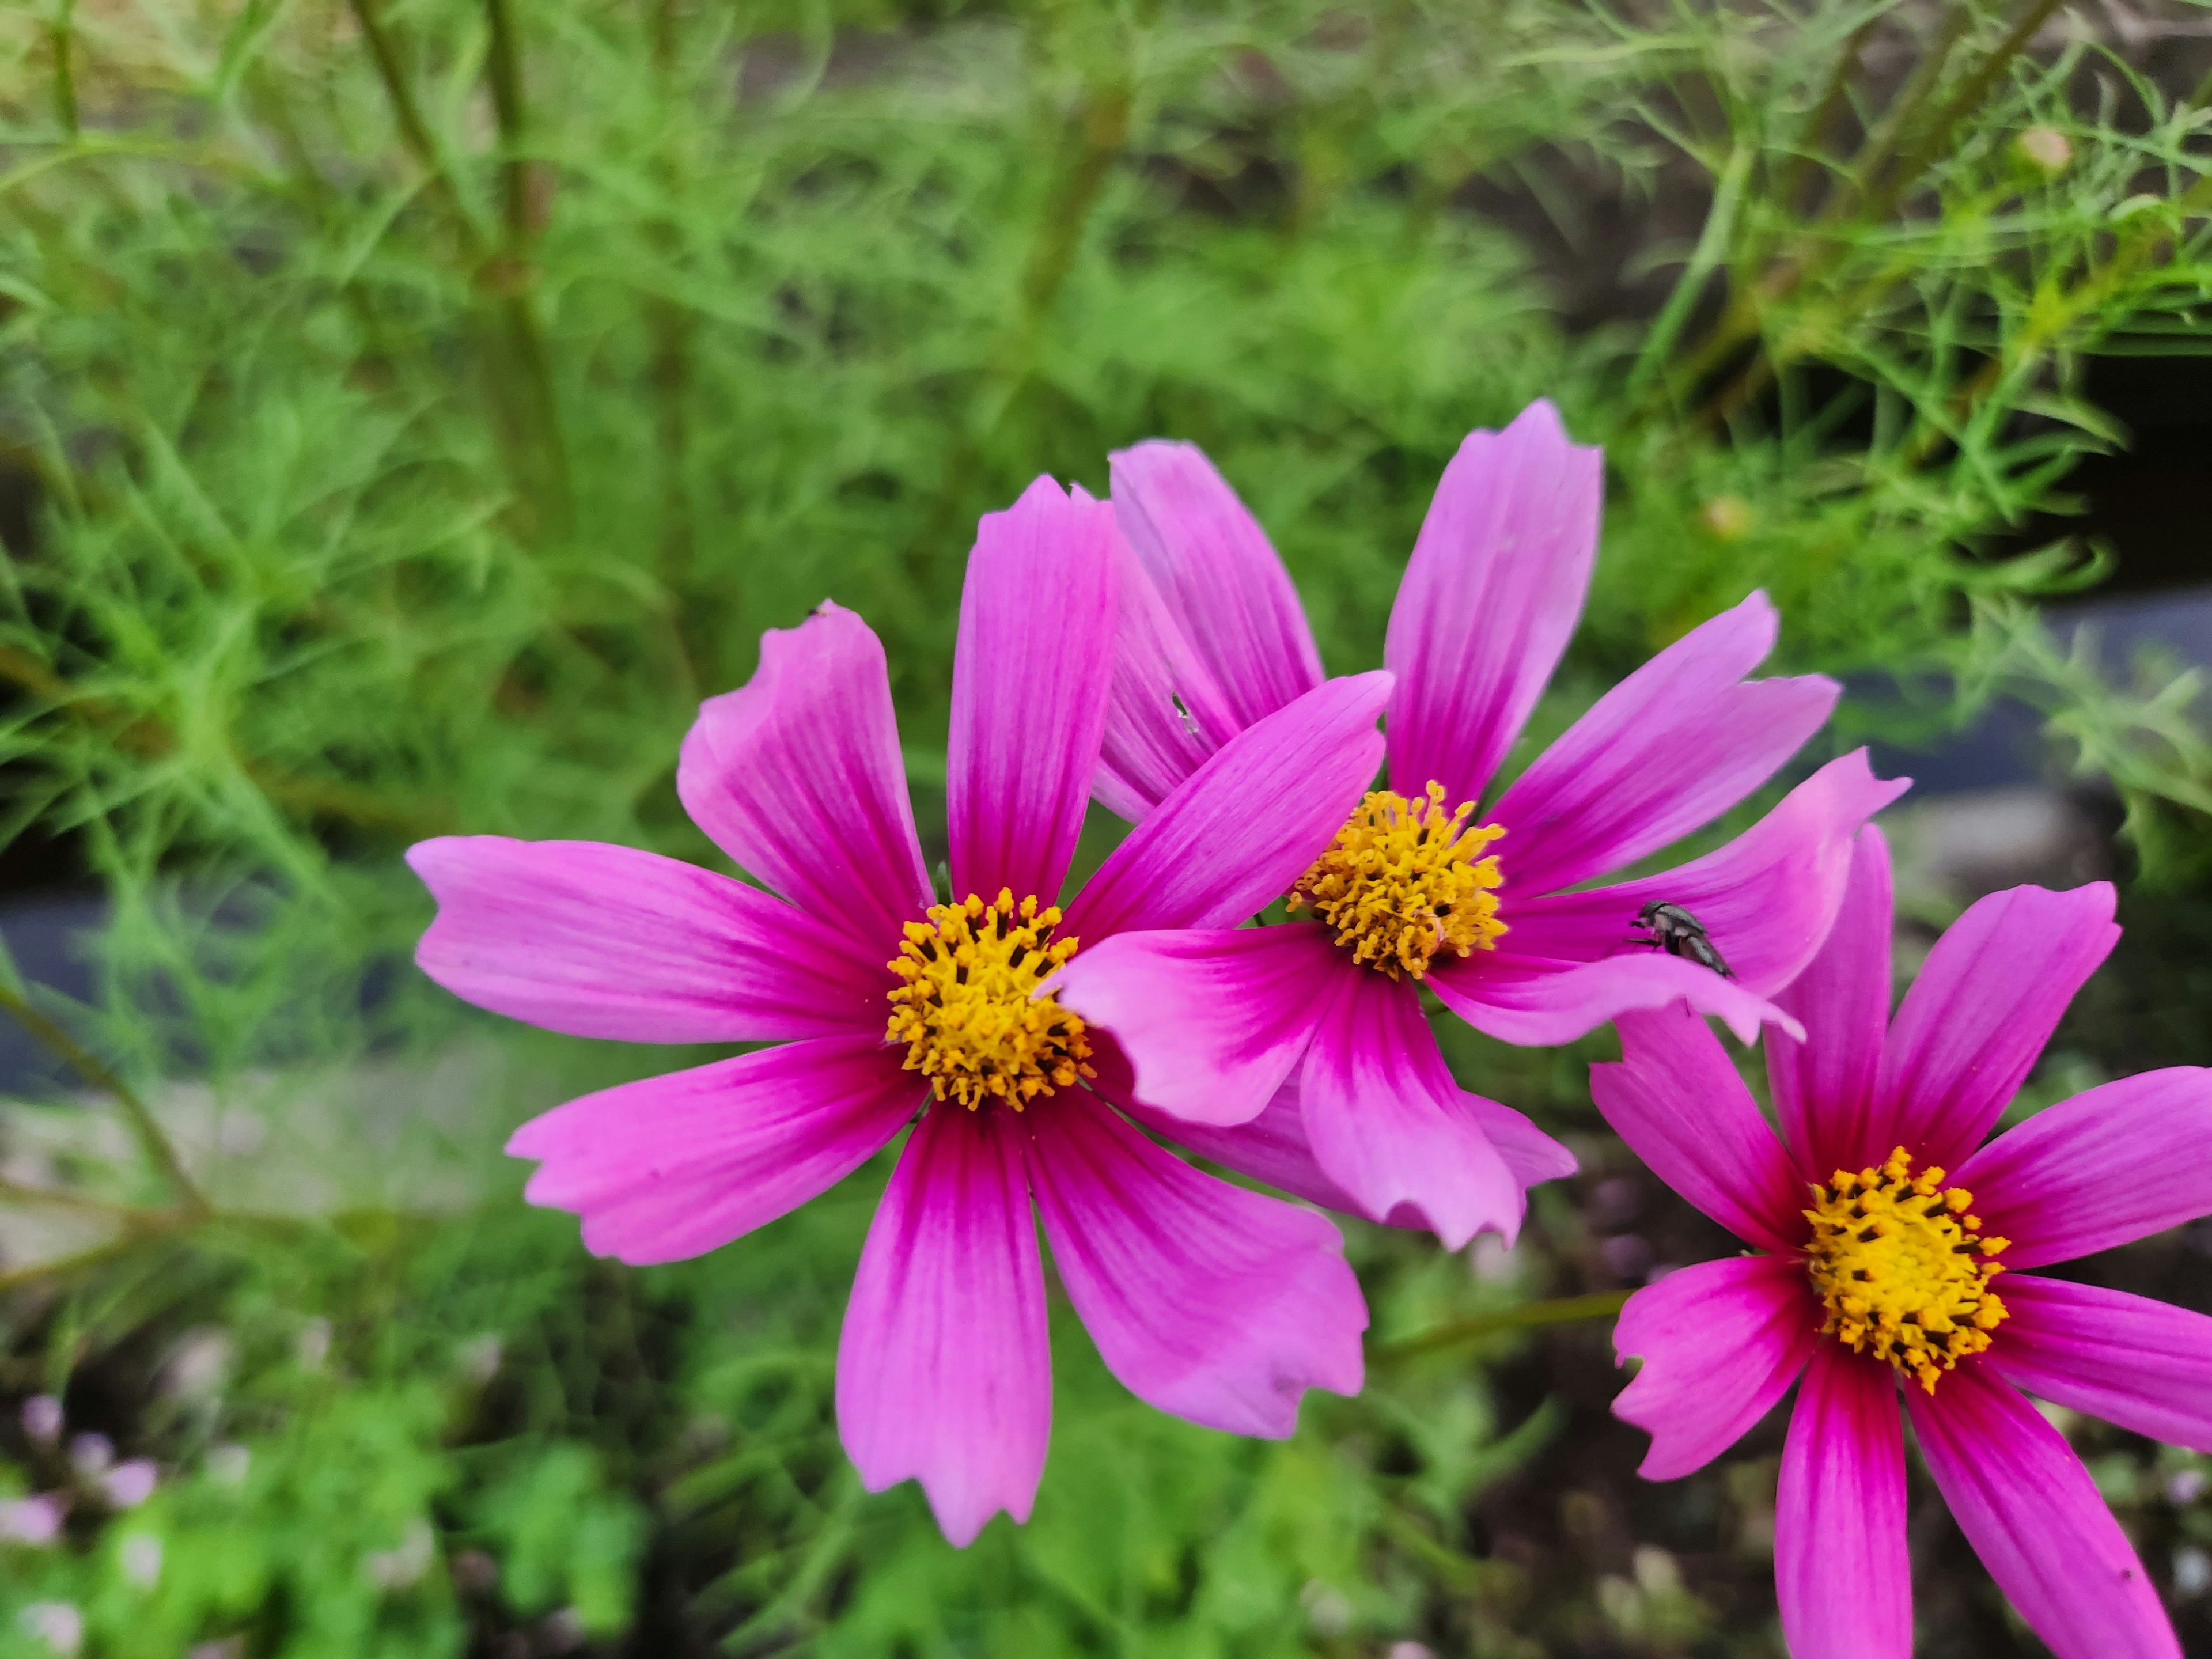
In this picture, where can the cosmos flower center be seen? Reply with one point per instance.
(1902, 1266)
(1404, 882)
(965, 1003)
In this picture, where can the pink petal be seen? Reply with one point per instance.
(1539, 1003)
(2028, 1508)
(1219, 579)
(1721, 1342)
(1823, 1087)
(1841, 1572)
(1211, 1021)
(1666, 751)
(2128, 1359)
(611, 942)
(943, 1372)
(2116, 1164)
(1975, 1021)
(1273, 1147)
(1489, 600)
(1270, 1148)
(1234, 840)
(674, 1166)
(1165, 714)
(797, 775)
(1680, 1106)
(1767, 899)
(1207, 1301)
(1030, 679)
(1387, 1124)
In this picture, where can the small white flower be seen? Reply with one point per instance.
(35, 1521)
(127, 1486)
(141, 1558)
(91, 1453)
(57, 1623)
(42, 1419)
(226, 1465)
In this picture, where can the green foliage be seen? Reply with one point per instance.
(423, 403)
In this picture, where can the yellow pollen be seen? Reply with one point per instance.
(1406, 881)
(1902, 1266)
(964, 1007)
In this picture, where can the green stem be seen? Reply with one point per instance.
(63, 32)
(1559, 1311)
(151, 1140)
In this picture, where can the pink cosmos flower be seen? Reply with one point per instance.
(1300, 1053)
(1883, 1273)
(1207, 1301)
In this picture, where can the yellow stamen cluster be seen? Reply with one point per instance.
(1903, 1268)
(1405, 881)
(965, 1004)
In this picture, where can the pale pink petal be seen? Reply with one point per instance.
(1235, 839)
(1766, 899)
(674, 1166)
(1270, 1148)
(1682, 1108)
(1165, 714)
(2030, 1510)
(1529, 1153)
(1666, 751)
(1387, 1124)
(944, 1371)
(611, 942)
(1219, 579)
(2128, 1359)
(1987, 1000)
(2119, 1163)
(1721, 1342)
(797, 775)
(1823, 1087)
(1030, 679)
(1211, 1021)
(1207, 1301)
(1540, 1004)
(1841, 1572)
(1489, 600)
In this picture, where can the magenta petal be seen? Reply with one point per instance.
(1986, 1001)
(1489, 600)
(1387, 1124)
(1841, 1572)
(1531, 1155)
(1208, 1301)
(1680, 1106)
(797, 775)
(1767, 899)
(2030, 1510)
(1031, 675)
(611, 942)
(1270, 1148)
(2128, 1359)
(1211, 1021)
(1234, 840)
(2113, 1165)
(1666, 751)
(1720, 1342)
(673, 1166)
(1823, 1087)
(1537, 1004)
(1218, 576)
(1165, 714)
(944, 1370)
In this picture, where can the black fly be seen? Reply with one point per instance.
(1671, 928)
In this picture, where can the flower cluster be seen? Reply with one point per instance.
(1030, 1045)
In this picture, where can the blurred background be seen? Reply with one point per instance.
(410, 409)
